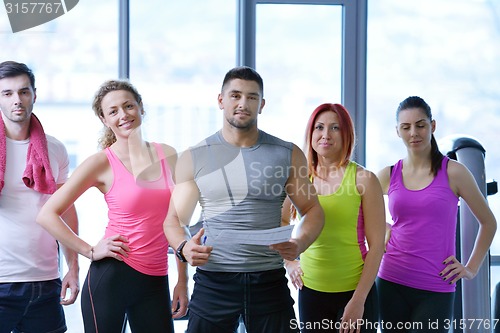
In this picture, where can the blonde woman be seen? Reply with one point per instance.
(128, 276)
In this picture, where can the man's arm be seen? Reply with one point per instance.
(71, 279)
(180, 298)
(303, 195)
(182, 205)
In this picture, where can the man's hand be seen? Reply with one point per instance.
(195, 252)
(288, 250)
(180, 300)
(70, 282)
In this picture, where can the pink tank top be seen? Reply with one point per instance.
(137, 210)
(423, 234)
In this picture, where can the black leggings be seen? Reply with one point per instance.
(405, 309)
(117, 290)
(321, 312)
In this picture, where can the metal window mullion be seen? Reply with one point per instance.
(123, 39)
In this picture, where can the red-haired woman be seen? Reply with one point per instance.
(335, 275)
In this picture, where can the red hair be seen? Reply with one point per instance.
(346, 131)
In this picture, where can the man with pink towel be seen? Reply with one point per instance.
(32, 166)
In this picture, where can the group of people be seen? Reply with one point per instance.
(364, 274)
(352, 268)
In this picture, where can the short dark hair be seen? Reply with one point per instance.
(13, 69)
(244, 73)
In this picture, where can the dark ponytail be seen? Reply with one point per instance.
(436, 156)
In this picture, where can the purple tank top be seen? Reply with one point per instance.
(423, 234)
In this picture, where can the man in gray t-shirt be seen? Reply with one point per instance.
(241, 176)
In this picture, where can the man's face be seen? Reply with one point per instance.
(241, 101)
(16, 98)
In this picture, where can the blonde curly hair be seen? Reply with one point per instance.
(108, 137)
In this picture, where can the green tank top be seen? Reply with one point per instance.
(334, 262)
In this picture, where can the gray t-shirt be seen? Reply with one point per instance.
(241, 189)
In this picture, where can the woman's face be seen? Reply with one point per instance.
(326, 137)
(415, 128)
(121, 112)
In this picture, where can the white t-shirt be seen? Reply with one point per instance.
(27, 251)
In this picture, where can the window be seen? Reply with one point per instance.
(70, 57)
(177, 61)
(298, 54)
(447, 53)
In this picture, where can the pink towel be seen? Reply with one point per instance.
(38, 174)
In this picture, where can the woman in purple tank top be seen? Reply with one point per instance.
(418, 273)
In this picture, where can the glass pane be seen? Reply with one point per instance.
(177, 62)
(298, 54)
(70, 57)
(446, 52)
